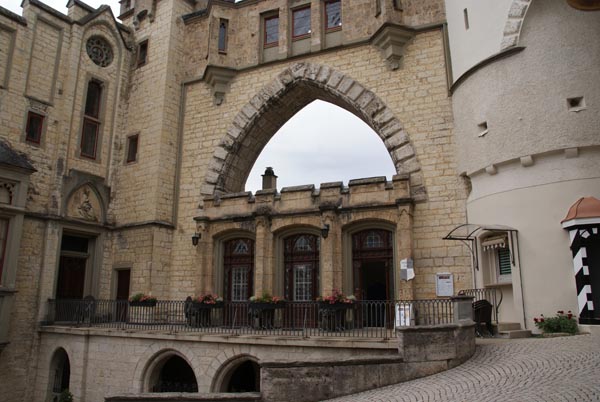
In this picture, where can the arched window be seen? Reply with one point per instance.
(301, 260)
(238, 265)
(60, 374)
(174, 375)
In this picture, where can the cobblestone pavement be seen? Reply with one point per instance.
(565, 369)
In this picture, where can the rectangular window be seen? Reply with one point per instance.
(301, 23)
(504, 266)
(3, 240)
(271, 31)
(223, 24)
(333, 15)
(33, 130)
(239, 284)
(377, 8)
(91, 120)
(142, 56)
(132, 148)
(302, 282)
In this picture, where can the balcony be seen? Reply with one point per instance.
(361, 319)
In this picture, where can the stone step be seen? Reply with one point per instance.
(508, 326)
(514, 334)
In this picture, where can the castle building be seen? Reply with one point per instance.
(125, 147)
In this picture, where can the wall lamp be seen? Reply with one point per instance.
(196, 238)
(325, 230)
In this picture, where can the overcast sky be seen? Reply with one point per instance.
(321, 143)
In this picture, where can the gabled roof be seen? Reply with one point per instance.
(9, 157)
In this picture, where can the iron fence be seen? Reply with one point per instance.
(370, 319)
(491, 294)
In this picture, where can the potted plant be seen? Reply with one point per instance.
(336, 301)
(142, 300)
(561, 324)
(266, 302)
(262, 310)
(208, 301)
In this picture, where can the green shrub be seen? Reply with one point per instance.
(65, 396)
(561, 323)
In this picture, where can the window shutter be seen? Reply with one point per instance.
(504, 261)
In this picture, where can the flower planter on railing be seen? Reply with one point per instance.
(145, 303)
(203, 314)
(333, 315)
(142, 312)
(264, 316)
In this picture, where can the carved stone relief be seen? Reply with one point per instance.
(84, 204)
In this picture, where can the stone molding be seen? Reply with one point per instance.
(219, 79)
(391, 41)
(514, 23)
(310, 80)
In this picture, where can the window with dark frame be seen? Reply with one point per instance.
(132, 148)
(33, 130)
(91, 120)
(3, 240)
(223, 24)
(333, 15)
(271, 31)
(301, 23)
(142, 57)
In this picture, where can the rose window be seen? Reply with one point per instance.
(99, 51)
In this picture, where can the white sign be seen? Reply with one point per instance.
(444, 284)
(404, 314)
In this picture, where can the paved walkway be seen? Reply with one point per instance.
(565, 369)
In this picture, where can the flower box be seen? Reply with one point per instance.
(206, 306)
(144, 303)
(335, 306)
(262, 306)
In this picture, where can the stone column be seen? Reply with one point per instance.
(404, 249)
(331, 258)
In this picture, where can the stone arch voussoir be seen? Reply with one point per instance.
(332, 86)
(514, 23)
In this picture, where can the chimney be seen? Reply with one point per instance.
(269, 179)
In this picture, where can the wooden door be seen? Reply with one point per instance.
(71, 277)
(123, 282)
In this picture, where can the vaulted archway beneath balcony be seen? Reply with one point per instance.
(274, 104)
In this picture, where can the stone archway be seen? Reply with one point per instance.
(277, 102)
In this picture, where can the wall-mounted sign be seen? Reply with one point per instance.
(406, 269)
(444, 284)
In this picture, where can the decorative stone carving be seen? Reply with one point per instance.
(84, 204)
(391, 40)
(219, 78)
(99, 51)
(6, 192)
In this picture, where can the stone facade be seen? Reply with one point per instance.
(201, 115)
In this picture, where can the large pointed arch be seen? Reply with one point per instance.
(278, 101)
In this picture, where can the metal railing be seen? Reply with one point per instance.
(491, 294)
(370, 319)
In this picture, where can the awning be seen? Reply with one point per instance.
(470, 231)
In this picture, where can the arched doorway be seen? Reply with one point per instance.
(60, 374)
(240, 375)
(173, 374)
(372, 259)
